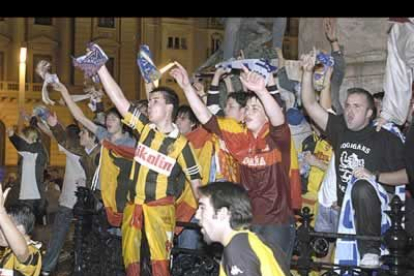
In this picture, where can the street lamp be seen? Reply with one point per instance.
(22, 76)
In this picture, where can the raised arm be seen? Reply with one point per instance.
(257, 84)
(329, 26)
(44, 128)
(200, 110)
(19, 143)
(325, 96)
(74, 109)
(314, 109)
(213, 95)
(229, 84)
(13, 236)
(114, 91)
(59, 133)
(339, 66)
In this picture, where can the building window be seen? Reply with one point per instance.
(176, 43)
(1, 66)
(106, 22)
(43, 21)
(170, 44)
(215, 42)
(292, 27)
(36, 60)
(184, 43)
(286, 50)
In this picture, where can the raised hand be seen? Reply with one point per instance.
(24, 115)
(380, 122)
(329, 26)
(181, 76)
(11, 130)
(221, 71)
(252, 80)
(52, 119)
(308, 61)
(199, 88)
(59, 87)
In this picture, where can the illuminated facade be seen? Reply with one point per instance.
(186, 40)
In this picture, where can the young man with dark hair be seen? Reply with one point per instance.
(68, 143)
(225, 214)
(262, 149)
(22, 256)
(186, 121)
(163, 157)
(35, 159)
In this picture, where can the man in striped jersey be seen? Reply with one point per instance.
(164, 158)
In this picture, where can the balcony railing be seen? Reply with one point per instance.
(7, 86)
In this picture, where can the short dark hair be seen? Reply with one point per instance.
(31, 131)
(379, 95)
(92, 135)
(72, 131)
(277, 97)
(240, 97)
(113, 111)
(170, 97)
(186, 110)
(22, 214)
(368, 96)
(141, 103)
(233, 197)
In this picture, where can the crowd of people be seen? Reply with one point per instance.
(240, 171)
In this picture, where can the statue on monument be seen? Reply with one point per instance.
(248, 35)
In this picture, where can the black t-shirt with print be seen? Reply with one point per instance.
(376, 151)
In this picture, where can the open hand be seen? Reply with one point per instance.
(52, 119)
(252, 80)
(308, 61)
(329, 26)
(380, 122)
(181, 76)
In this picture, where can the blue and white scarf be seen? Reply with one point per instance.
(260, 66)
(147, 67)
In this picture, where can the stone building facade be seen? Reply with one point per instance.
(185, 39)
